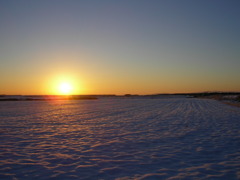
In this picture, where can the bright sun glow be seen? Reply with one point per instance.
(64, 85)
(65, 88)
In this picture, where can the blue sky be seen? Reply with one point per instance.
(136, 46)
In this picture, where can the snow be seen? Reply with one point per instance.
(175, 138)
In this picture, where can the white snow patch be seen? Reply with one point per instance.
(120, 139)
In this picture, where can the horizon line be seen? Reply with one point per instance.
(131, 94)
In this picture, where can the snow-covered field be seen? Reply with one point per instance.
(122, 139)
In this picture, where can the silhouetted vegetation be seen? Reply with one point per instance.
(235, 96)
(214, 95)
(47, 98)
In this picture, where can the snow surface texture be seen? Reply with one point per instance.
(120, 139)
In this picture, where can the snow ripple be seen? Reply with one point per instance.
(120, 139)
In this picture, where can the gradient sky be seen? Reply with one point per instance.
(118, 47)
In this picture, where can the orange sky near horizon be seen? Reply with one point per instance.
(107, 83)
(94, 78)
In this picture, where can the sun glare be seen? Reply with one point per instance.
(65, 88)
(64, 85)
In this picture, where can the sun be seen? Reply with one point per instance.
(64, 85)
(65, 88)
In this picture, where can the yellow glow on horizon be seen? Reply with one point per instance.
(65, 88)
(64, 84)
